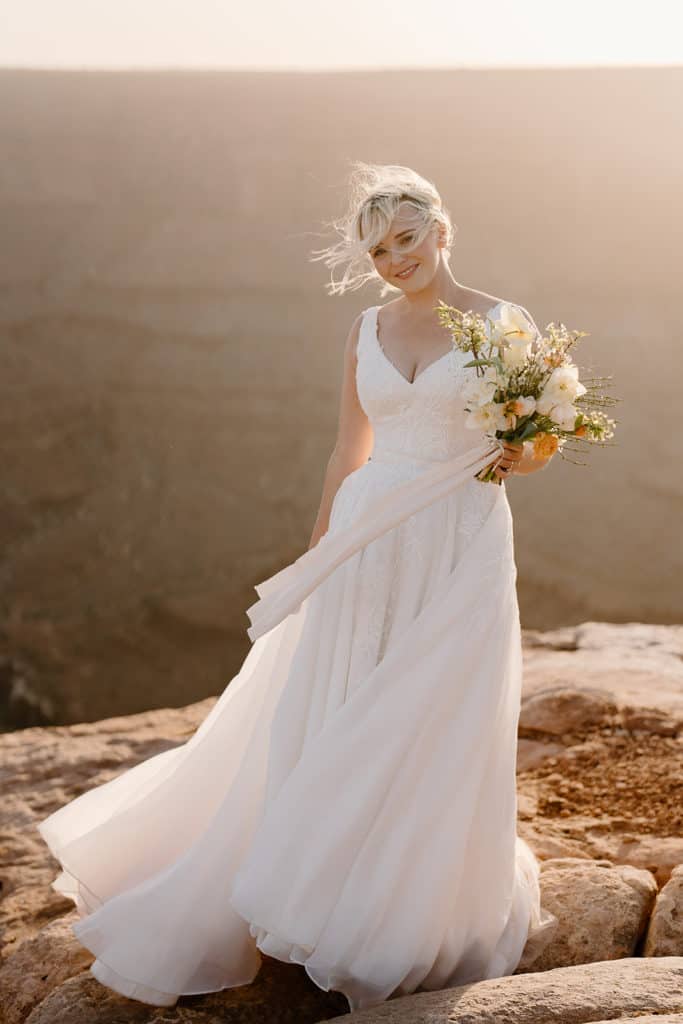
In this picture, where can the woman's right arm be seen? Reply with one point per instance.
(354, 436)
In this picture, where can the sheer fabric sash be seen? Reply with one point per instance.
(282, 594)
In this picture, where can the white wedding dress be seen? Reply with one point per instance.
(349, 803)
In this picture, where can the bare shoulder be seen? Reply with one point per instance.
(478, 301)
(472, 298)
(482, 302)
(487, 302)
(391, 310)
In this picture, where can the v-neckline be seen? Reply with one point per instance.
(413, 382)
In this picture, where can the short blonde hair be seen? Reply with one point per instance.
(375, 194)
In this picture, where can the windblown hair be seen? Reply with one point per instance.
(375, 193)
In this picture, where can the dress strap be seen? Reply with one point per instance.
(367, 324)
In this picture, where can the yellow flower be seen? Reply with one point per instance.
(545, 445)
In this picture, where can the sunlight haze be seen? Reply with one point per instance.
(312, 35)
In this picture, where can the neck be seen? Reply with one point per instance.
(442, 286)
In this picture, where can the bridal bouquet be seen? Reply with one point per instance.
(526, 386)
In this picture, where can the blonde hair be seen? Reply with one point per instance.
(375, 193)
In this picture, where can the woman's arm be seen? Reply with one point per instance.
(354, 436)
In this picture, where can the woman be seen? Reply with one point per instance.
(349, 802)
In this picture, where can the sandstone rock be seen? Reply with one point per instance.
(527, 806)
(658, 854)
(631, 663)
(565, 638)
(612, 990)
(666, 1018)
(532, 753)
(280, 994)
(665, 931)
(603, 910)
(559, 711)
(40, 965)
(283, 993)
(650, 720)
(547, 841)
(647, 1019)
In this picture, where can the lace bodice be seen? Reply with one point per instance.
(424, 418)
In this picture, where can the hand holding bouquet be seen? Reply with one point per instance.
(526, 386)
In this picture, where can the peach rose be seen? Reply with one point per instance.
(545, 445)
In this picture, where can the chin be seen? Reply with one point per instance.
(413, 284)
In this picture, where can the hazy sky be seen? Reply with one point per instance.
(346, 33)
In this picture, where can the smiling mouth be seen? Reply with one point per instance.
(407, 272)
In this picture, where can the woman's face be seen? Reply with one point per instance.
(399, 262)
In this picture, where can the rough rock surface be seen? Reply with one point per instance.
(665, 931)
(600, 755)
(603, 910)
(612, 989)
(600, 781)
(649, 1018)
(281, 994)
(638, 664)
(40, 964)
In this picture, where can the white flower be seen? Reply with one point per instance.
(504, 420)
(524, 406)
(491, 417)
(482, 418)
(545, 403)
(564, 415)
(563, 385)
(515, 352)
(480, 390)
(512, 333)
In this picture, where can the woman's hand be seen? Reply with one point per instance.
(509, 462)
(518, 460)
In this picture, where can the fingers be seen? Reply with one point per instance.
(515, 448)
(513, 453)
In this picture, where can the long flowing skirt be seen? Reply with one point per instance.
(349, 803)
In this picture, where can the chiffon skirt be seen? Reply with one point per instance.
(349, 803)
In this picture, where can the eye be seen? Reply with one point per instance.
(378, 252)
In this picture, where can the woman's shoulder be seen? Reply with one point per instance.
(494, 302)
(482, 302)
(479, 302)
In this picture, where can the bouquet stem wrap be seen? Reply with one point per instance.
(282, 594)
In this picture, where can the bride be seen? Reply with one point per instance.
(349, 803)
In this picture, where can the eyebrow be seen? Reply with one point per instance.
(404, 232)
